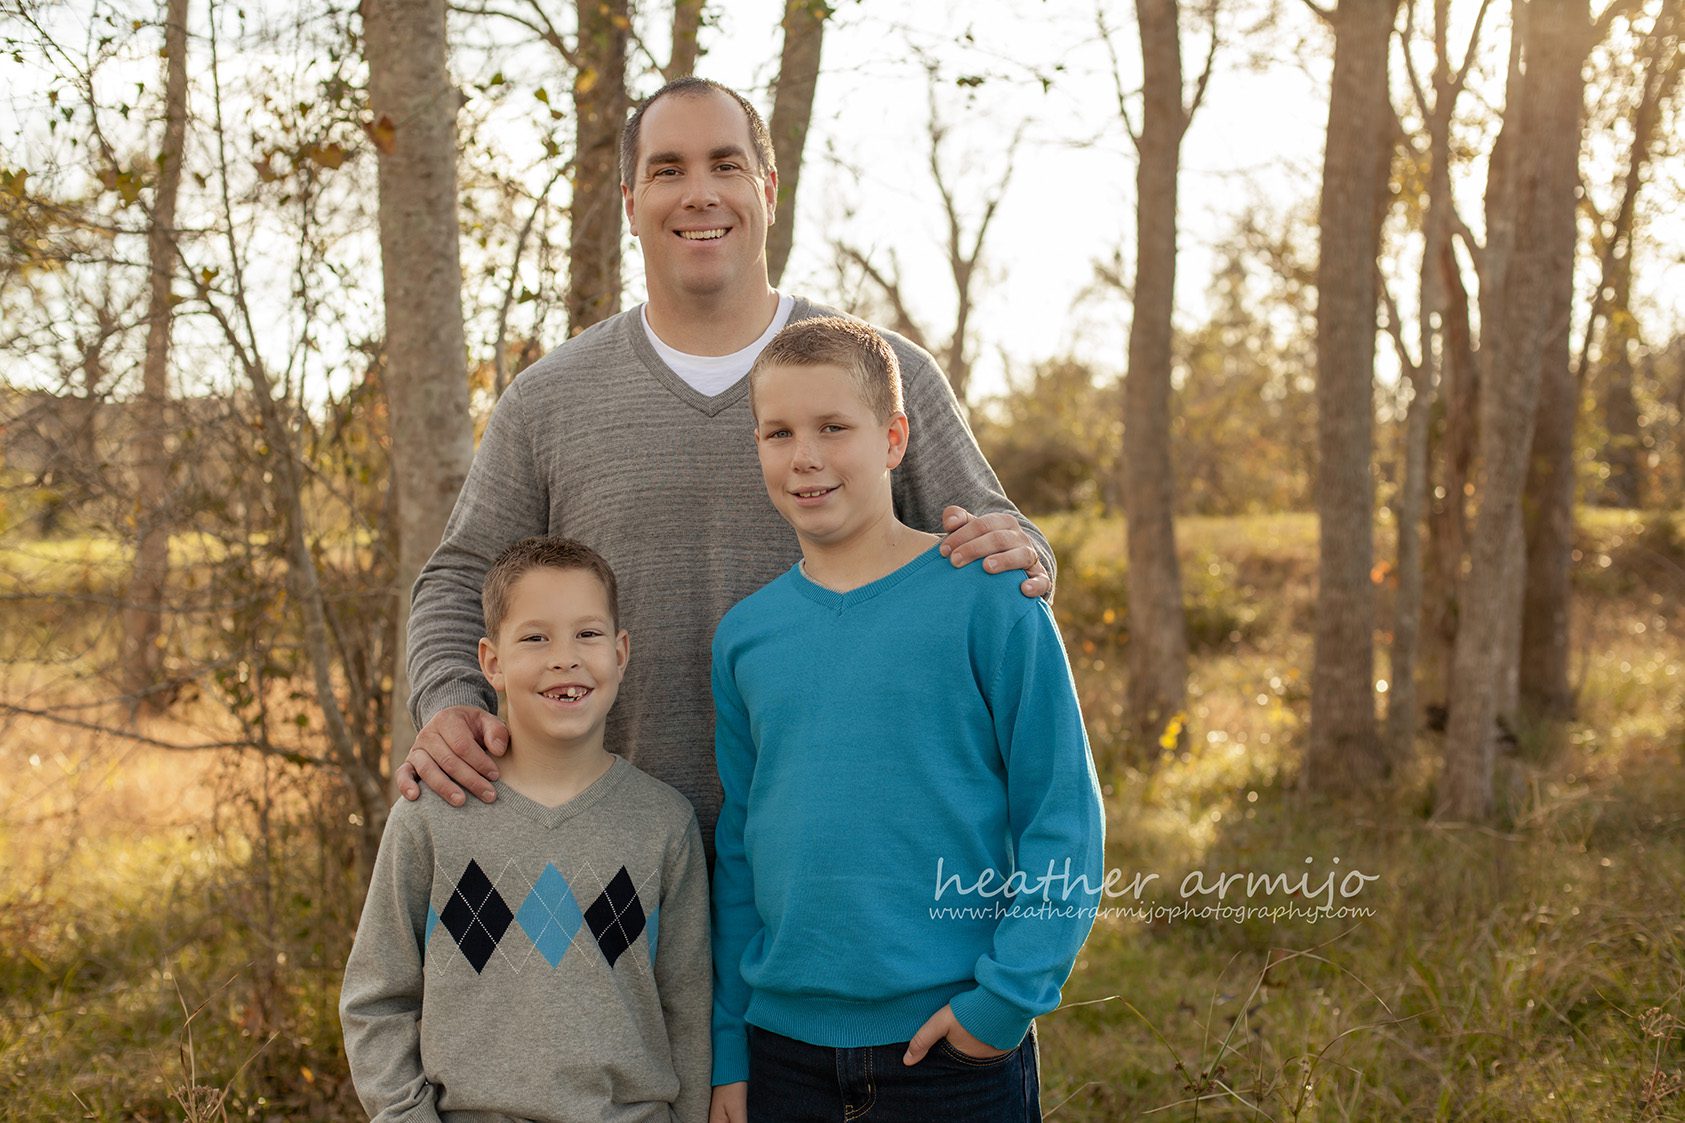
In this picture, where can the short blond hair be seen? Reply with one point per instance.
(545, 552)
(840, 342)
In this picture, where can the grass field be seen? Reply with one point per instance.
(177, 921)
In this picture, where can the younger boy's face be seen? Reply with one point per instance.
(558, 658)
(825, 456)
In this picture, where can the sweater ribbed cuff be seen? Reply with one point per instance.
(990, 1019)
(448, 694)
(731, 1058)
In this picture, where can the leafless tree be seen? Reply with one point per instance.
(1424, 371)
(963, 249)
(1535, 170)
(1158, 641)
(143, 616)
(599, 108)
(792, 112)
(1344, 752)
(427, 381)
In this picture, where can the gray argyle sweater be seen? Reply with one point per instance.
(601, 441)
(521, 962)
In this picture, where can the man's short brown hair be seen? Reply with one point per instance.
(839, 342)
(692, 86)
(529, 554)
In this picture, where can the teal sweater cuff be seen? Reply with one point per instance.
(990, 1019)
(731, 1058)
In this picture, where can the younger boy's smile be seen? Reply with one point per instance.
(558, 659)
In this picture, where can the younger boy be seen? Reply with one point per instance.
(896, 740)
(543, 957)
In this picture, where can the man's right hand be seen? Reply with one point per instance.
(451, 750)
(730, 1103)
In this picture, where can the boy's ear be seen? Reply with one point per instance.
(489, 665)
(622, 650)
(898, 436)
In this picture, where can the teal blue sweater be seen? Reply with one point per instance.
(861, 739)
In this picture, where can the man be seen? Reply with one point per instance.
(635, 437)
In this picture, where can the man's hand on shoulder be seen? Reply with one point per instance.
(451, 750)
(1001, 541)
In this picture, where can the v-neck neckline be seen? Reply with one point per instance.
(800, 309)
(552, 817)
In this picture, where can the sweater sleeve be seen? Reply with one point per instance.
(504, 498)
(735, 918)
(944, 467)
(380, 1003)
(682, 971)
(1057, 827)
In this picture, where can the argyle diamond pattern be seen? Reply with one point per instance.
(616, 917)
(549, 916)
(476, 916)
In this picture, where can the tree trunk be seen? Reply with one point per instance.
(1540, 170)
(143, 613)
(426, 357)
(1158, 644)
(792, 112)
(687, 21)
(1345, 754)
(1403, 706)
(1610, 306)
(1549, 513)
(599, 109)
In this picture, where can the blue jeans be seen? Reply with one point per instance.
(793, 1082)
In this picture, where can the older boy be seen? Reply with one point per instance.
(544, 957)
(883, 717)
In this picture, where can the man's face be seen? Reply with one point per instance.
(824, 454)
(699, 207)
(558, 658)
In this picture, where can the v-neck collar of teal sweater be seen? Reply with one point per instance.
(840, 602)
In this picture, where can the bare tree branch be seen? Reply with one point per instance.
(500, 360)
(1395, 328)
(539, 26)
(891, 288)
(1205, 72)
(1469, 51)
(1326, 15)
(1416, 88)
(1117, 81)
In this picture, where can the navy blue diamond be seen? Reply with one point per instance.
(616, 917)
(476, 916)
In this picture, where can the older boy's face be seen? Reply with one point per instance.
(824, 454)
(558, 658)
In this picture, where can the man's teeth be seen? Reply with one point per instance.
(702, 235)
(815, 493)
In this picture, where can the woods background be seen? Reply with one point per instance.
(1364, 471)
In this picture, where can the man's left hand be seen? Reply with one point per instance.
(1001, 541)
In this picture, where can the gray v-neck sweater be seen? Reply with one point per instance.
(522, 962)
(601, 441)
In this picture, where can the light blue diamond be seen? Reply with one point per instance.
(651, 927)
(427, 934)
(550, 916)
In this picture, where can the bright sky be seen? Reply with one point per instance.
(1255, 144)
